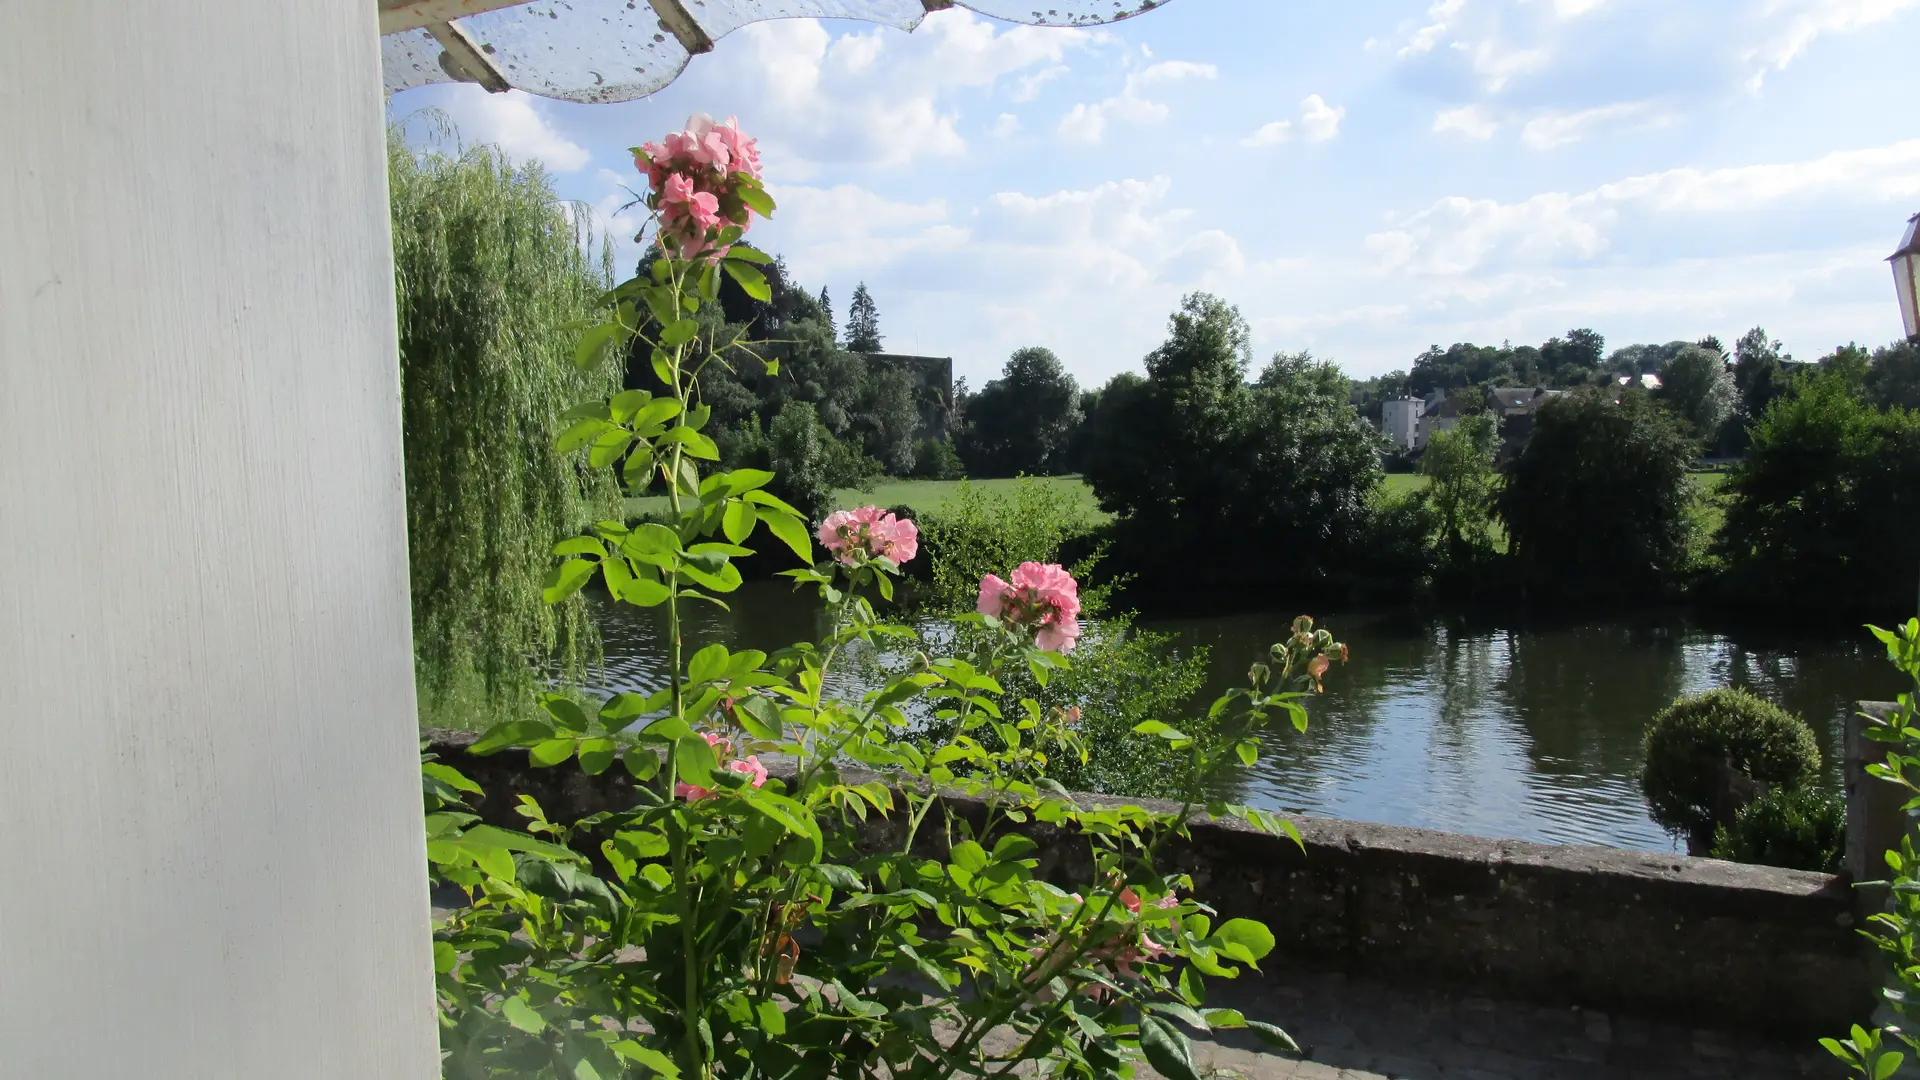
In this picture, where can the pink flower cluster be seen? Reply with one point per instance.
(1118, 953)
(695, 175)
(1043, 596)
(748, 766)
(847, 534)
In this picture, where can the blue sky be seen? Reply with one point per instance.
(1363, 178)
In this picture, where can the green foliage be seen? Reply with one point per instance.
(1895, 931)
(1823, 510)
(1280, 466)
(1597, 505)
(491, 285)
(1759, 372)
(1698, 386)
(1801, 828)
(744, 924)
(1463, 483)
(1699, 748)
(863, 321)
(1121, 676)
(1024, 421)
(1894, 378)
(809, 463)
(981, 530)
(936, 459)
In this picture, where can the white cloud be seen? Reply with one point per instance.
(1171, 71)
(1457, 235)
(1271, 134)
(518, 125)
(817, 99)
(1424, 39)
(1029, 86)
(1554, 128)
(1473, 121)
(1573, 9)
(1006, 125)
(1497, 64)
(1087, 122)
(1806, 20)
(1319, 122)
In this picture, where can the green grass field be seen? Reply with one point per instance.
(928, 496)
(1401, 485)
(924, 496)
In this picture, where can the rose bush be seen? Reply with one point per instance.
(837, 915)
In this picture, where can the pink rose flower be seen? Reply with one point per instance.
(694, 174)
(722, 748)
(750, 766)
(1041, 595)
(869, 531)
(995, 596)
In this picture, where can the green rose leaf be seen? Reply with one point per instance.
(511, 733)
(1167, 1049)
(1245, 939)
(567, 715)
(739, 521)
(521, 1015)
(1273, 1036)
(596, 755)
(550, 753)
(580, 434)
(752, 281)
(679, 332)
(791, 531)
(566, 579)
(593, 343)
(708, 664)
(695, 760)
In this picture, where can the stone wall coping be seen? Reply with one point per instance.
(1646, 868)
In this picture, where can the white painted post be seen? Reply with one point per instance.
(211, 862)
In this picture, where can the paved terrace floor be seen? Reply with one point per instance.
(1356, 1029)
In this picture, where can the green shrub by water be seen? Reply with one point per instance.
(1689, 741)
(1121, 676)
(1800, 828)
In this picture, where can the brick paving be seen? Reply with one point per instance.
(1355, 1029)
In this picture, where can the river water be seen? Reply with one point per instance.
(1507, 728)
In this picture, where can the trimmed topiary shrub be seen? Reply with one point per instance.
(1800, 828)
(1709, 755)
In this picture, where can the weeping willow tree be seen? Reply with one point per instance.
(492, 279)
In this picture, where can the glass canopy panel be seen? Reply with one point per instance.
(410, 59)
(618, 50)
(722, 17)
(1062, 12)
(579, 50)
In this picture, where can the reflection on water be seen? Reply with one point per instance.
(1510, 729)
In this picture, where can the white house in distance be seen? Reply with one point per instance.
(1400, 421)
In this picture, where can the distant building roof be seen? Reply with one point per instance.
(1516, 398)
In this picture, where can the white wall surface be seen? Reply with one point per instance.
(211, 862)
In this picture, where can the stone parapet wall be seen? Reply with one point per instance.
(1668, 937)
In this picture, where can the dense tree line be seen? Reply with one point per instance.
(1218, 474)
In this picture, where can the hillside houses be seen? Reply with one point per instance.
(1410, 422)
